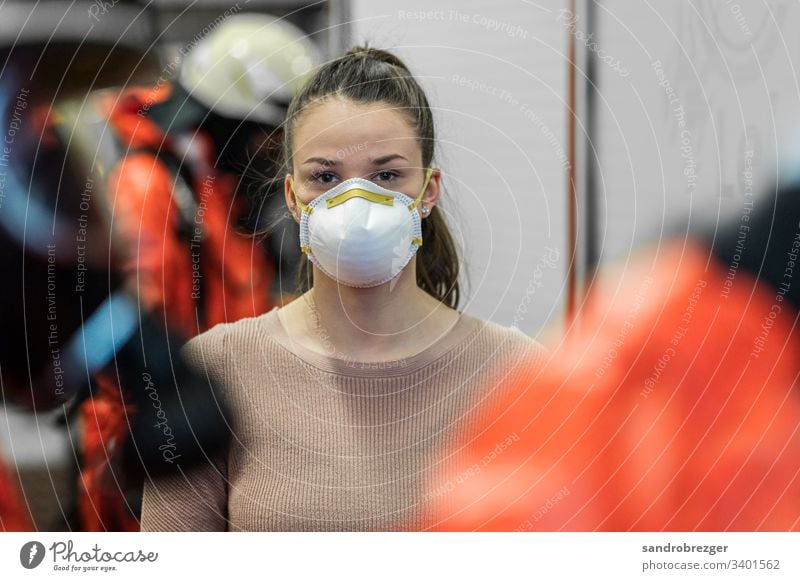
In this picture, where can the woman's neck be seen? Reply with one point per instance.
(387, 322)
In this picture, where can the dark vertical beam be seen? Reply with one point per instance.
(591, 194)
(572, 193)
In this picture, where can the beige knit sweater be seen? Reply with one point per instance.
(325, 444)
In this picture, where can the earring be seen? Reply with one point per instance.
(425, 210)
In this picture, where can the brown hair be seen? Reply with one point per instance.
(368, 75)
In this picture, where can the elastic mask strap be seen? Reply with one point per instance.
(418, 199)
(303, 207)
(415, 203)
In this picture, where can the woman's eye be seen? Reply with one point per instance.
(324, 177)
(386, 175)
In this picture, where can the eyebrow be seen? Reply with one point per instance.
(321, 160)
(387, 158)
(378, 161)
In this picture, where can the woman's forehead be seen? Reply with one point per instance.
(339, 128)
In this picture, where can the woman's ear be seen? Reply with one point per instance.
(431, 194)
(289, 194)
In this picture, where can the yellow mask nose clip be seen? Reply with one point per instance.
(384, 199)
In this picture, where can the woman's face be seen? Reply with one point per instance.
(340, 139)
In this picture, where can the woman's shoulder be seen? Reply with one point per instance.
(214, 341)
(496, 339)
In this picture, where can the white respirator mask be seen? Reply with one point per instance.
(360, 234)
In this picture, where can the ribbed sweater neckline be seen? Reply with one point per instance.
(464, 327)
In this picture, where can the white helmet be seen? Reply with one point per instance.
(249, 67)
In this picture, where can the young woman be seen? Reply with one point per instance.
(348, 401)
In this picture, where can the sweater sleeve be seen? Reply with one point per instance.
(194, 499)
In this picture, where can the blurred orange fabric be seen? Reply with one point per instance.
(672, 404)
(105, 418)
(235, 276)
(13, 516)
